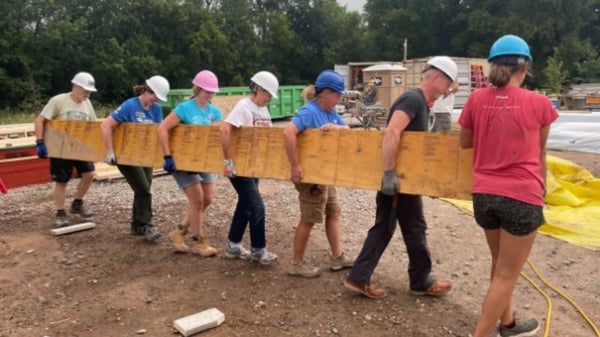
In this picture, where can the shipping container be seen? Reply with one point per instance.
(289, 99)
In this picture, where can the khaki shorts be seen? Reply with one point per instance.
(316, 201)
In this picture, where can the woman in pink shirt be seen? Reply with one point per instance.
(507, 127)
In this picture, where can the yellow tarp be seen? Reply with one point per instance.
(572, 208)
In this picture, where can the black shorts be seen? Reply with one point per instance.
(514, 216)
(61, 170)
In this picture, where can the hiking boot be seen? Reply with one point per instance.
(263, 256)
(341, 262)
(236, 251)
(61, 219)
(202, 248)
(78, 208)
(303, 269)
(150, 233)
(365, 289)
(521, 329)
(177, 238)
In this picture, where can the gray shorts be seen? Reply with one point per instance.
(185, 179)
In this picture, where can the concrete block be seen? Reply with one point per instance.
(198, 322)
(72, 228)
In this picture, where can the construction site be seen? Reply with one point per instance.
(105, 282)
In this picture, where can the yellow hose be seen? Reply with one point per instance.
(549, 301)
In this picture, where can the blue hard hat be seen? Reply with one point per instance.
(510, 45)
(330, 79)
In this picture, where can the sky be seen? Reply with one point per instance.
(353, 5)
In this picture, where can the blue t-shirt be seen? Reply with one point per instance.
(132, 111)
(191, 113)
(311, 116)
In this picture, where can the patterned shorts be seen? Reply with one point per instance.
(514, 216)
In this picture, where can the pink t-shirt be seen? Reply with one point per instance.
(506, 124)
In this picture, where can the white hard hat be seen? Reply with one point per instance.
(445, 65)
(85, 80)
(267, 81)
(160, 86)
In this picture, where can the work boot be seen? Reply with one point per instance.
(262, 256)
(177, 238)
(202, 248)
(61, 219)
(78, 208)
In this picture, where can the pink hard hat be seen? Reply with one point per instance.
(206, 80)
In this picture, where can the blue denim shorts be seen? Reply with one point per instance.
(185, 179)
(514, 216)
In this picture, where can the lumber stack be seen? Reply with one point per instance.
(428, 164)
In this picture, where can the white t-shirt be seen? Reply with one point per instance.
(63, 107)
(443, 104)
(246, 113)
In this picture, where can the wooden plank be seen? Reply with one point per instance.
(428, 163)
(24, 171)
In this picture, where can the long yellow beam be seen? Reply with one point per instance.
(428, 163)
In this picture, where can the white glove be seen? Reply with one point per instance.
(110, 158)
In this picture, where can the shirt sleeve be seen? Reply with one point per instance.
(301, 119)
(49, 110)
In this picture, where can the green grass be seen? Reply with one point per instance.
(16, 116)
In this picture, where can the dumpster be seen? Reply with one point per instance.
(289, 99)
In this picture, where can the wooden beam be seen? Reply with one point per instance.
(428, 163)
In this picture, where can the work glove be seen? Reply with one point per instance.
(390, 184)
(42, 151)
(228, 168)
(169, 164)
(110, 158)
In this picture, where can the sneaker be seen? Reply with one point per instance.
(521, 329)
(341, 262)
(78, 208)
(150, 233)
(365, 289)
(236, 252)
(61, 219)
(177, 237)
(137, 229)
(303, 269)
(263, 256)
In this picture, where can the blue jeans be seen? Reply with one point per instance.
(409, 215)
(250, 209)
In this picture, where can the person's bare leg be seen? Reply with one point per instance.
(301, 241)
(60, 194)
(84, 184)
(512, 255)
(332, 229)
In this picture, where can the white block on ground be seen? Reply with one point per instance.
(204, 320)
(72, 228)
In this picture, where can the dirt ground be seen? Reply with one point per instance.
(105, 282)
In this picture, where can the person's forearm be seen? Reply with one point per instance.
(163, 139)
(39, 127)
(389, 149)
(225, 139)
(107, 136)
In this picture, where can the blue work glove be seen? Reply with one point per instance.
(390, 184)
(42, 151)
(110, 158)
(169, 164)
(228, 168)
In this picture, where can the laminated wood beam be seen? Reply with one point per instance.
(428, 163)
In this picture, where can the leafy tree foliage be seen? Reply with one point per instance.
(122, 42)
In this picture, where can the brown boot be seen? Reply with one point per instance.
(177, 237)
(202, 248)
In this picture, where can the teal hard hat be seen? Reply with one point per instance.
(510, 47)
(330, 79)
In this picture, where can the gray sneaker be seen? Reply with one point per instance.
(236, 252)
(61, 219)
(521, 329)
(304, 270)
(263, 256)
(150, 233)
(341, 262)
(78, 208)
